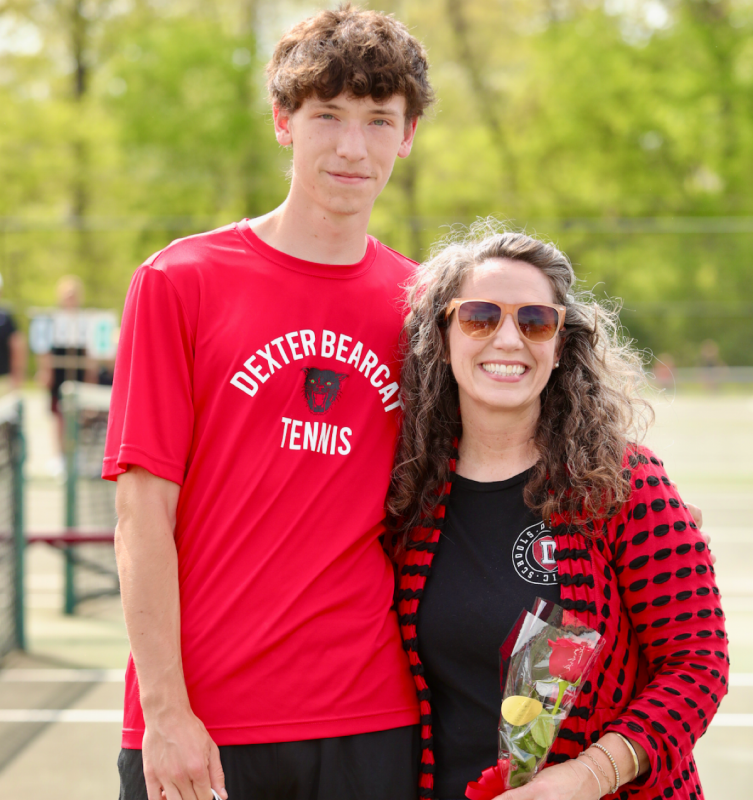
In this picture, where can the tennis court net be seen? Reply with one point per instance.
(90, 569)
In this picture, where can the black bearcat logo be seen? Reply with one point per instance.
(321, 388)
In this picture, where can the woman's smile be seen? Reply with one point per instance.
(504, 370)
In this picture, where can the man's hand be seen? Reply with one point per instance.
(697, 515)
(181, 762)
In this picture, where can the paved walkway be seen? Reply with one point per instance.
(61, 700)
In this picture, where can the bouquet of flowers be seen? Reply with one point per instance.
(545, 660)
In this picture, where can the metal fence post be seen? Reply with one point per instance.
(19, 535)
(70, 415)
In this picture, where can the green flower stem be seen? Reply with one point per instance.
(563, 689)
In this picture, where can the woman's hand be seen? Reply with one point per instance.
(568, 781)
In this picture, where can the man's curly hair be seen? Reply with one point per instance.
(591, 409)
(362, 53)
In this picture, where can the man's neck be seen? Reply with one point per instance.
(313, 234)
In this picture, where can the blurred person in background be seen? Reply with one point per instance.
(518, 476)
(12, 351)
(64, 363)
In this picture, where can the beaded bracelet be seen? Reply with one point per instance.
(596, 777)
(599, 767)
(612, 762)
(630, 747)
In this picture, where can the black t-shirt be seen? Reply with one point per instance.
(7, 329)
(494, 559)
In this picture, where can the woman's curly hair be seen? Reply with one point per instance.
(591, 408)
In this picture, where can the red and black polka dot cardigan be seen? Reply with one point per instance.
(644, 582)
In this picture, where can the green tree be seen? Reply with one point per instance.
(623, 130)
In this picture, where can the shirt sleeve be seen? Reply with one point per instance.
(668, 588)
(151, 412)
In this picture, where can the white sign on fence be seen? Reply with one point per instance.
(91, 329)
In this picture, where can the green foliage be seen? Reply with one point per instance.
(543, 730)
(581, 125)
(623, 131)
(166, 134)
(196, 139)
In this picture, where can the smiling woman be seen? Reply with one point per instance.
(593, 396)
(506, 361)
(519, 475)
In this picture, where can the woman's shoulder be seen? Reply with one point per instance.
(646, 469)
(653, 496)
(638, 455)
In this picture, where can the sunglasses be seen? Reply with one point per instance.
(481, 319)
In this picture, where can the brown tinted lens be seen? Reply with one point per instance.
(478, 319)
(538, 323)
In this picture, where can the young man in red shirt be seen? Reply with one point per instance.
(252, 430)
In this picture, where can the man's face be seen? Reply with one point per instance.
(344, 149)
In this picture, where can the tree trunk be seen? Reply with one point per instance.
(489, 103)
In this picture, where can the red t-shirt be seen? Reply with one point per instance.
(267, 387)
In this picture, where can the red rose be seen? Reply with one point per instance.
(569, 659)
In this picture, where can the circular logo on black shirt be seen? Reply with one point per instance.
(533, 555)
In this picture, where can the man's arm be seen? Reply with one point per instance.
(180, 758)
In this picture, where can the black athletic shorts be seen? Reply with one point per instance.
(368, 766)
